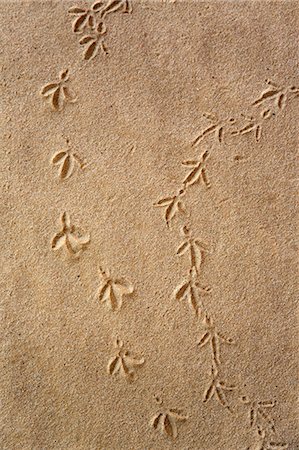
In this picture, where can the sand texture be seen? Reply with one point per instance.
(149, 260)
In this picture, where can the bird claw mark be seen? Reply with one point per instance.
(195, 248)
(191, 291)
(252, 125)
(167, 421)
(85, 17)
(123, 362)
(267, 443)
(94, 41)
(216, 389)
(173, 205)
(66, 161)
(73, 240)
(125, 6)
(258, 414)
(276, 95)
(218, 128)
(197, 171)
(111, 290)
(86, 21)
(59, 92)
(213, 337)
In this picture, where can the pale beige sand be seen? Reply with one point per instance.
(131, 118)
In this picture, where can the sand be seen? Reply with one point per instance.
(149, 265)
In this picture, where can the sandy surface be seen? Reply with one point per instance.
(148, 304)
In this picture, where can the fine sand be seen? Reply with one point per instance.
(148, 215)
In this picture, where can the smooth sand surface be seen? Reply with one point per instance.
(149, 250)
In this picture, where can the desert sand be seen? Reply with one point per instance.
(149, 248)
